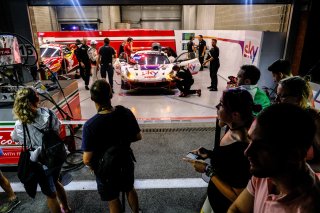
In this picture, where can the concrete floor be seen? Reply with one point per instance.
(160, 104)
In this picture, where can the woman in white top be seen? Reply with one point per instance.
(27, 111)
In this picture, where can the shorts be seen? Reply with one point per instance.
(104, 69)
(110, 189)
(47, 181)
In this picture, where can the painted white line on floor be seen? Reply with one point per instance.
(139, 184)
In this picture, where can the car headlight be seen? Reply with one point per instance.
(130, 75)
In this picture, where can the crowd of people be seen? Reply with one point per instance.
(264, 162)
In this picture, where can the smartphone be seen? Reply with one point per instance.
(192, 156)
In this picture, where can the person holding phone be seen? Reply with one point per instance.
(229, 169)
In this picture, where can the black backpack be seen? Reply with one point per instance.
(115, 157)
(53, 152)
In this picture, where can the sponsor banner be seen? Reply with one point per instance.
(252, 47)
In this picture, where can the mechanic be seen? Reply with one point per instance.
(121, 47)
(104, 61)
(93, 55)
(213, 57)
(103, 131)
(191, 47)
(128, 48)
(184, 81)
(201, 50)
(84, 62)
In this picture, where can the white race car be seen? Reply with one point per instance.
(152, 69)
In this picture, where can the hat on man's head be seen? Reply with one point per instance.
(280, 65)
(93, 42)
(78, 41)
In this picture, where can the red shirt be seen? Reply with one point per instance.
(127, 49)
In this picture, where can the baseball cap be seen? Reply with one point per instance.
(78, 41)
(93, 42)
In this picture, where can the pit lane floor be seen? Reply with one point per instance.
(164, 182)
(158, 104)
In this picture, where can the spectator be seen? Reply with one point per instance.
(184, 81)
(282, 181)
(93, 56)
(213, 57)
(128, 48)
(229, 169)
(84, 62)
(202, 47)
(295, 90)
(104, 62)
(13, 201)
(103, 131)
(280, 69)
(27, 111)
(247, 78)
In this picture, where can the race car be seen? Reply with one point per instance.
(151, 68)
(59, 58)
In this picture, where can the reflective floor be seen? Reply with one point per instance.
(160, 104)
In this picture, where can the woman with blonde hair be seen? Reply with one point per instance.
(36, 118)
(296, 90)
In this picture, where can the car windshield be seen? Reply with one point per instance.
(49, 52)
(151, 59)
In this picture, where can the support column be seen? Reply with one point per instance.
(105, 18)
(114, 16)
(189, 17)
(205, 17)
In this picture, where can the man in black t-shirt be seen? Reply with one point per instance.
(201, 50)
(84, 62)
(108, 128)
(213, 57)
(184, 81)
(191, 47)
(104, 61)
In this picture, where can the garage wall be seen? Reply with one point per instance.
(219, 17)
(77, 13)
(152, 17)
(45, 19)
(252, 17)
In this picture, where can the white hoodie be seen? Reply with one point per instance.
(41, 122)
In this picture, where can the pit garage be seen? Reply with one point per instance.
(250, 32)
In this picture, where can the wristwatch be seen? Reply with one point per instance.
(210, 171)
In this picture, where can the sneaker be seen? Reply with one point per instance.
(213, 89)
(9, 206)
(87, 88)
(210, 87)
(199, 92)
